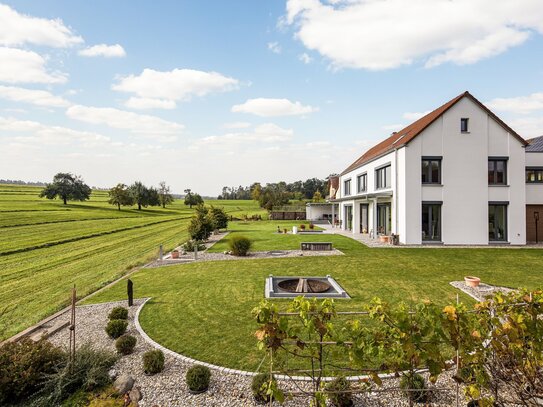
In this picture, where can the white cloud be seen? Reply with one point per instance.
(305, 58)
(393, 127)
(236, 125)
(413, 116)
(527, 127)
(520, 105)
(149, 103)
(19, 29)
(103, 50)
(267, 107)
(274, 47)
(32, 96)
(377, 34)
(121, 119)
(175, 85)
(265, 133)
(20, 66)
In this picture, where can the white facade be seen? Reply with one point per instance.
(463, 207)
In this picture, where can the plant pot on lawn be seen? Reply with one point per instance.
(175, 254)
(472, 281)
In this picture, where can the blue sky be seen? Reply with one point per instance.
(203, 94)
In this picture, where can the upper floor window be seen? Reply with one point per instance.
(431, 170)
(362, 183)
(464, 125)
(382, 177)
(347, 187)
(497, 171)
(534, 175)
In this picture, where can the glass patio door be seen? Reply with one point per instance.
(431, 222)
(364, 218)
(349, 217)
(384, 220)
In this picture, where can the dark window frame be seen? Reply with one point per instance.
(345, 183)
(431, 159)
(504, 204)
(535, 170)
(495, 170)
(387, 182)
(440, 220)
(363, 176)
(464, 125)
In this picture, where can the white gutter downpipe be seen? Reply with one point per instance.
(396, 190)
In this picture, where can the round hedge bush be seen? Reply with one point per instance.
(259, 389)
(125, 344)
(198, 378)
(240, 245)
(118, 313)
(116, 327)
(339, 399)
(153, 361)
(417, 384)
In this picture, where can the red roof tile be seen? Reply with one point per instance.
(404, 136)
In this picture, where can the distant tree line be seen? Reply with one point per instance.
(19, 182)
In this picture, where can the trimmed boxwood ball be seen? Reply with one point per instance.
(116, 327)
(118, 313)
(339, 399)
(417, 384)
(153, 361)
(240, 245)
(259, 389)
(125, 344)
(198, 378)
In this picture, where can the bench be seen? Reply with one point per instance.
(316, 246)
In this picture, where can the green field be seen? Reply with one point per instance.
(47, 247)
(203, 310)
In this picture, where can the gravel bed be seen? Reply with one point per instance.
(481, 292)
(168, 388)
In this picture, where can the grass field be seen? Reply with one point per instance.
(47, 247)
(203, 310)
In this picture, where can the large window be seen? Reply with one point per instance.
(347, 187)
(431, 170)
(382, 177)
(362, 183)
(497, 222)
(431, 221)
(497, 171)
(534, 175)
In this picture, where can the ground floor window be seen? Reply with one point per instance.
(431, 222)
(497, 222)
(349, 217)
(364, 225)
(383, 219)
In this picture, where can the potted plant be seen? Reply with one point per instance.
(302, 227)
(472, 281)
(311, 226)
(285, 231)
(175, 254)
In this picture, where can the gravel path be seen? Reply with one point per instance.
(168, 388)
(481, 292)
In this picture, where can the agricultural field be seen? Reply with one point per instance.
(47, 247)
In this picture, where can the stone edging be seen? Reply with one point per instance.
(223, 369)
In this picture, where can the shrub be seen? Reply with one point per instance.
(339, 399)
(240, 245)
(88, 372)
(125, 344)
(22, 367)
(417, 384)
(118, 313)
(311, 226)
(198, 378)
(259, 387)
(153, 361)
(218, 217)
(116, 327)
(189, 245)
(201, 224)
(302, 227)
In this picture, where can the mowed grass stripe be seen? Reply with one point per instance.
(37, 284)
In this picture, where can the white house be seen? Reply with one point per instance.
(456, 176)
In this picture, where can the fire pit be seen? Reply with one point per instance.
(290, 287)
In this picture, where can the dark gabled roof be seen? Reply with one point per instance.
(535, 145)
(404, 136)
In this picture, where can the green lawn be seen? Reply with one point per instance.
(47, 247)
(203, 310)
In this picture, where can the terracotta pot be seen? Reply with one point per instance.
(472, 281)
(383, 239)
(175, 254)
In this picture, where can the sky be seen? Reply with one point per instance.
(205, 94)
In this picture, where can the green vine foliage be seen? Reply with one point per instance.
(496, 345)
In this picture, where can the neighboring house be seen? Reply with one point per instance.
(534, 190)
(455, 176)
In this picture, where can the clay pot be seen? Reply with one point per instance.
(383, 239)
(472, 281)
(175, 254)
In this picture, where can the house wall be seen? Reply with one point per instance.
(534, 192)
(317, 212)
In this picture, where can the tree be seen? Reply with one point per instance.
(120, 195)
(256, 191)
(140, 194)
(273, 195)
(219, 218)
(164, 195)
(153, 197)
(192, 199)
(201, 224)
(67, 187)
(317, 196)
